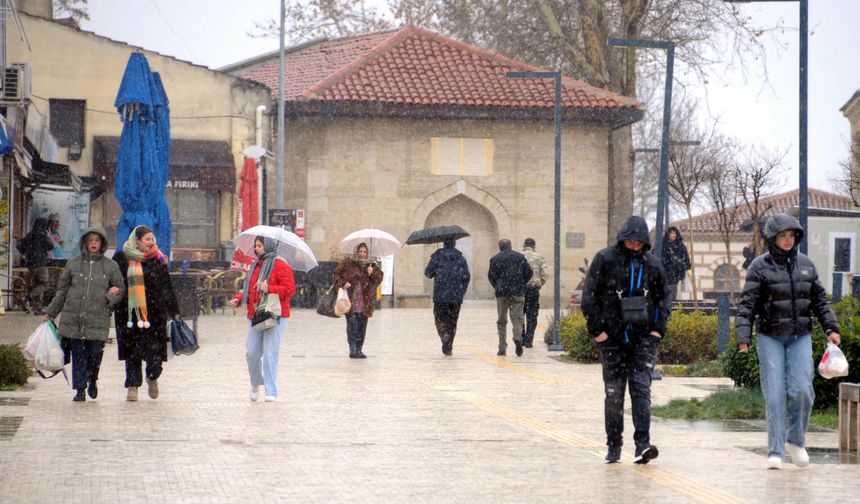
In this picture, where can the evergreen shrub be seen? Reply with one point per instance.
(14, 369)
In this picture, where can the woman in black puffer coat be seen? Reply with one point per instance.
(782, 292)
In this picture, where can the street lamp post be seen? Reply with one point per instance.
(803, 203)
(663, 180)
(653, 150)
(556, 309)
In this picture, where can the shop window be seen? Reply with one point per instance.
(194, 216)
(461, 156)
(842, 254)
(726, 278)
(67, 119)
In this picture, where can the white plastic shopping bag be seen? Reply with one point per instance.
(342, 305)
(833, 363)
(48, 354)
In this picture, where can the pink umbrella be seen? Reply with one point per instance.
(249, 213)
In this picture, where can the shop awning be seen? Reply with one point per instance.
(54, 174)
(206, 165)
(37, 172)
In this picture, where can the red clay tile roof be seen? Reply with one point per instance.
(782, 203)
(420, 67)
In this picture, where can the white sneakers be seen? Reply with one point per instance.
(255, 394)
(774, 462)
(798, 455)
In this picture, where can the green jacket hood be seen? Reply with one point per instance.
(82, 245)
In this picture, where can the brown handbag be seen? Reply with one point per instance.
(325, 305)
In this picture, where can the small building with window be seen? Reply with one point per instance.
(408, 129)
(834, 228)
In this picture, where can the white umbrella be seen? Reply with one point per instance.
(292, 248)
(379, 243)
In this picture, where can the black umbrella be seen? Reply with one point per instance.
(436, 234)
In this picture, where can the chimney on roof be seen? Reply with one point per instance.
(39, 8)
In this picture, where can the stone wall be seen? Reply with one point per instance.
(353, 173)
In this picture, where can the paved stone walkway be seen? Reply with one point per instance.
(406, 425)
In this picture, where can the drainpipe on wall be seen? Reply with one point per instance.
(258, 140)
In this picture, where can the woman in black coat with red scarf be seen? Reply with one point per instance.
(142, 315)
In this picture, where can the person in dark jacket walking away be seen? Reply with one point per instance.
(624, 305)
(359, 275)
(35, 247)
(676, 262)
(141, 317)
(531, 292)
(451, 276)
(782, 293)
(89, 287)
(509, 272)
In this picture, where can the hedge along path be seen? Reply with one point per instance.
(671, 480)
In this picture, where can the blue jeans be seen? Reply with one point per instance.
(786, 368)
(263, 349)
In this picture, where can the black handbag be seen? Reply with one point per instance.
(325, 306)
(182, 338)
(634, 310)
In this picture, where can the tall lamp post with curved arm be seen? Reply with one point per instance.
(556, 308)
(803, 183)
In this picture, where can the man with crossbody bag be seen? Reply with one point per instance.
(624, 304)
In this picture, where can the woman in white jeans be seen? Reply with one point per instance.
(783, 293)
(269, 275)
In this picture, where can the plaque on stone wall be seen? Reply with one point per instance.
(574, 240)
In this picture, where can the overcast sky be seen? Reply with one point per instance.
(215, 33)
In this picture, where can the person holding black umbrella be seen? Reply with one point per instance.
(451, 276)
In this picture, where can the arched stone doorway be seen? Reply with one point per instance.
(476, 248)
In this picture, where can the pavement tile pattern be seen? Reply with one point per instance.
(405, 425)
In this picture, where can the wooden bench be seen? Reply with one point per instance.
(849, 416)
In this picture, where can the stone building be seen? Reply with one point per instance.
(408, 129)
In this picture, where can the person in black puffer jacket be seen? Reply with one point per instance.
(676, 262)
(627, 349)
(509, 273)
(451, 276)
(782, 293)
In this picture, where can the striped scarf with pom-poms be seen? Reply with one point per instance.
(135, 288)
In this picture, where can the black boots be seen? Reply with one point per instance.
(92, 390)
(79, 397)
(355, 352)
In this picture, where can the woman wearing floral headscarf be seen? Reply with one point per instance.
(360, 276)
(270, 275)
(141, 317)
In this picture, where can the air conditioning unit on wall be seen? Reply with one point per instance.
(16, 83)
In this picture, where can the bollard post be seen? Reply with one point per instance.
(723, 318)
(837, 286)
(849, 416)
